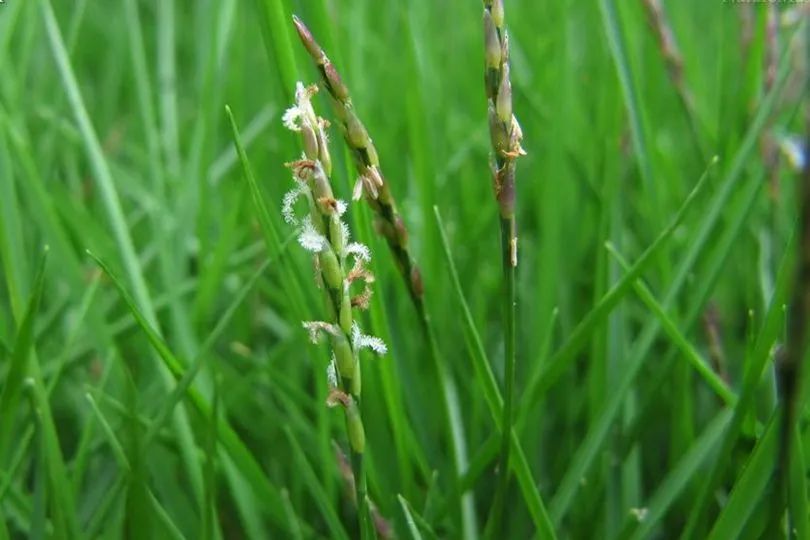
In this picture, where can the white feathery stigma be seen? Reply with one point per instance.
(310, 239)
(340, 206)
(302, 110)
(360, 251)
(363, 341)
(315, 328)
(331, 373)
(290, 199)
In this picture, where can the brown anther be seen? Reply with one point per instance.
(329, 204)
(370, 185)
(374, 174)
(338, 398)
(301, 168)
(361, 301)
(359, 272)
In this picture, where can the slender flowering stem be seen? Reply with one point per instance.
(327, 237)
(370, 181)
(388, 221)
(506, 135)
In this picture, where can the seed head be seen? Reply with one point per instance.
(309, 42)
(356, 131)
(290, 198)
(310, 141)
(330, 268)
(334, 82)
(344, 357)
(496, 9)
(497, 131)
(492, 42)
(323, 148)
(503, 105)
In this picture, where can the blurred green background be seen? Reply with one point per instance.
(114, 139)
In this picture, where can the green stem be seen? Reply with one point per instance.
(360, 492)
(509, 261)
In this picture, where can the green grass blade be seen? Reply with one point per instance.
(596, 435)
(315, 488)
(633, 106)
(170, 528)
(269, 228)
(410, 523)
(11, 247)
(117, 449)
(230, 440)
(489, 387)
(701, 366)
(101, 169)
(12, 388)
(677, 480)
(564, 356)
(750, 485)
(759, 356)
(276, 25)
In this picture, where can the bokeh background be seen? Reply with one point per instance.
(114, 139)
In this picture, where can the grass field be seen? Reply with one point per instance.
(155, 377)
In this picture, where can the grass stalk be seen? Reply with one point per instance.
(327, 237)
(389, 223)
(371, 182)
(506, 135)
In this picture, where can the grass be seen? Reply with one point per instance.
(155, 380)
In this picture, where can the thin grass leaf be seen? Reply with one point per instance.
(593, 440)
(565, 355)
(689, 352)
(117, 222)
(677, 480)
(274, 21)
(11, 247)
(758, 358)
(295, 527)
(750, 485)
(101, 169)
(270, 232)
(241, 456)
(209, 526)
(117, 450)
(170, 528)
(315, 488)
(486, 381)
(12, 389)
(410, 523)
